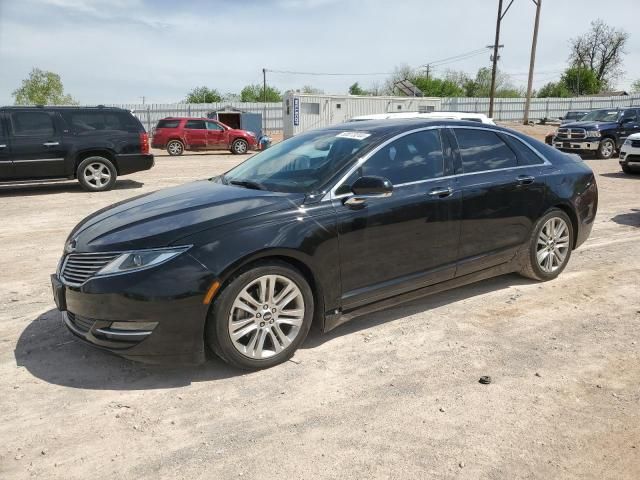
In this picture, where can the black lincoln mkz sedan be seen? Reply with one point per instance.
(324, 226)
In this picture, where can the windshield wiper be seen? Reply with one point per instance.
(247, 184)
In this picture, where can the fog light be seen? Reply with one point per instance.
(133, 326)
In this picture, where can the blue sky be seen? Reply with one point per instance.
(116, 51)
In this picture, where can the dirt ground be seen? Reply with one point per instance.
(391, 395)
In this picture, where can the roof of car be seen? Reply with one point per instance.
(406, 124)
(60, 107)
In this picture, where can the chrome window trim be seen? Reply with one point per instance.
(331, 195)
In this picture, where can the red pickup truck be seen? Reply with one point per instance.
(178, 134)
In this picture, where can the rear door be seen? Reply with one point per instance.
(36, 142)
(492, 224)
(216, 136)
(195, 134)
(6, 165)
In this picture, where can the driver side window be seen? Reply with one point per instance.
(412, 158)
(629, 116)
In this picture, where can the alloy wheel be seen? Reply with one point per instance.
(607, 148)
(175, 148)
(553, 245)
(266, 316)
(97, 174)
(240, 147)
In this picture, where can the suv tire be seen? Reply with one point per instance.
(606, 149)
(239, 147)
(96, 174)
(175, 148)
(270, 332)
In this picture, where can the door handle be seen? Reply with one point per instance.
(51, 144)
(3, 146)
(525, 179)
(441, 192)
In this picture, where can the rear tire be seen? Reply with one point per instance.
(628, 169)
(239, 147)
(96, 174)
(606, 149)
(549, 247)
(175, 148)
(261, 316)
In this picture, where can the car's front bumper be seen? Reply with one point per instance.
(588, 144)
(630, 157)
(166, 302)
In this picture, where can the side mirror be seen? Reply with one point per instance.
(366, 188)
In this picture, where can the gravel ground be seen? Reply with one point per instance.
(393, 394)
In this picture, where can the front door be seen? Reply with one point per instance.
(216, 136)
(6, 165)
(37, 148)
(408, 240)
(195, 132)
(496, 196)
(629, 124)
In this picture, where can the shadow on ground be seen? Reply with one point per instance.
(72, 186)
(632, 219)
(621, 174)
(51, 353)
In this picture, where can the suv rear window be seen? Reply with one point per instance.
(168, 124)
(83, 122)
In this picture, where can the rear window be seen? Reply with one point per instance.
(85, 122)
(168, 124)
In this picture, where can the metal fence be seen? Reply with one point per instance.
(150, 113)
(513, 108)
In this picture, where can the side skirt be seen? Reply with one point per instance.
(335, 319)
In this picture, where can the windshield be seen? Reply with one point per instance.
(574, 115)
(303, 163)
(601, 116)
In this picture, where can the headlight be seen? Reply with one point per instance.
(141, 259)
(593, 133)
(252, 134)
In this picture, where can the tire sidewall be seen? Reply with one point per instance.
(181, 148)
(542, 275)
(239, 141)
(602, 142)
(96, 159)
(217, 323)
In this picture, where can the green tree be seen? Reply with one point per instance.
(309, 90)
(42, 88)
(480, 86)
(601, 50)
(635, 86)
(356, 89)
(554, 89)
(438, 87)
(255, 93)
(580, 81)
(203, 95)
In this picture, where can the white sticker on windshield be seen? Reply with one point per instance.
(354, 135)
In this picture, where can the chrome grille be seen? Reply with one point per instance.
(83, 324)
(571, 133)
(80, 267)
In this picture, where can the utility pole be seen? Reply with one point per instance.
(264, 84)
(496, 45)
(532, 62)
(428, 68)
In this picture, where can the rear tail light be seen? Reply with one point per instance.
(144, 143)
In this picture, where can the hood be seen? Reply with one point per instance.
(591, 125)
(160, 218)
(239, 132)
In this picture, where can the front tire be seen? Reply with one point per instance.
(549, 247)
(96, 174)
(606, 149)
(628, 169)
(175, 148)
(261, 317)
(239, 147)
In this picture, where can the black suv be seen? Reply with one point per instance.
(92, 144)
(601, 131)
